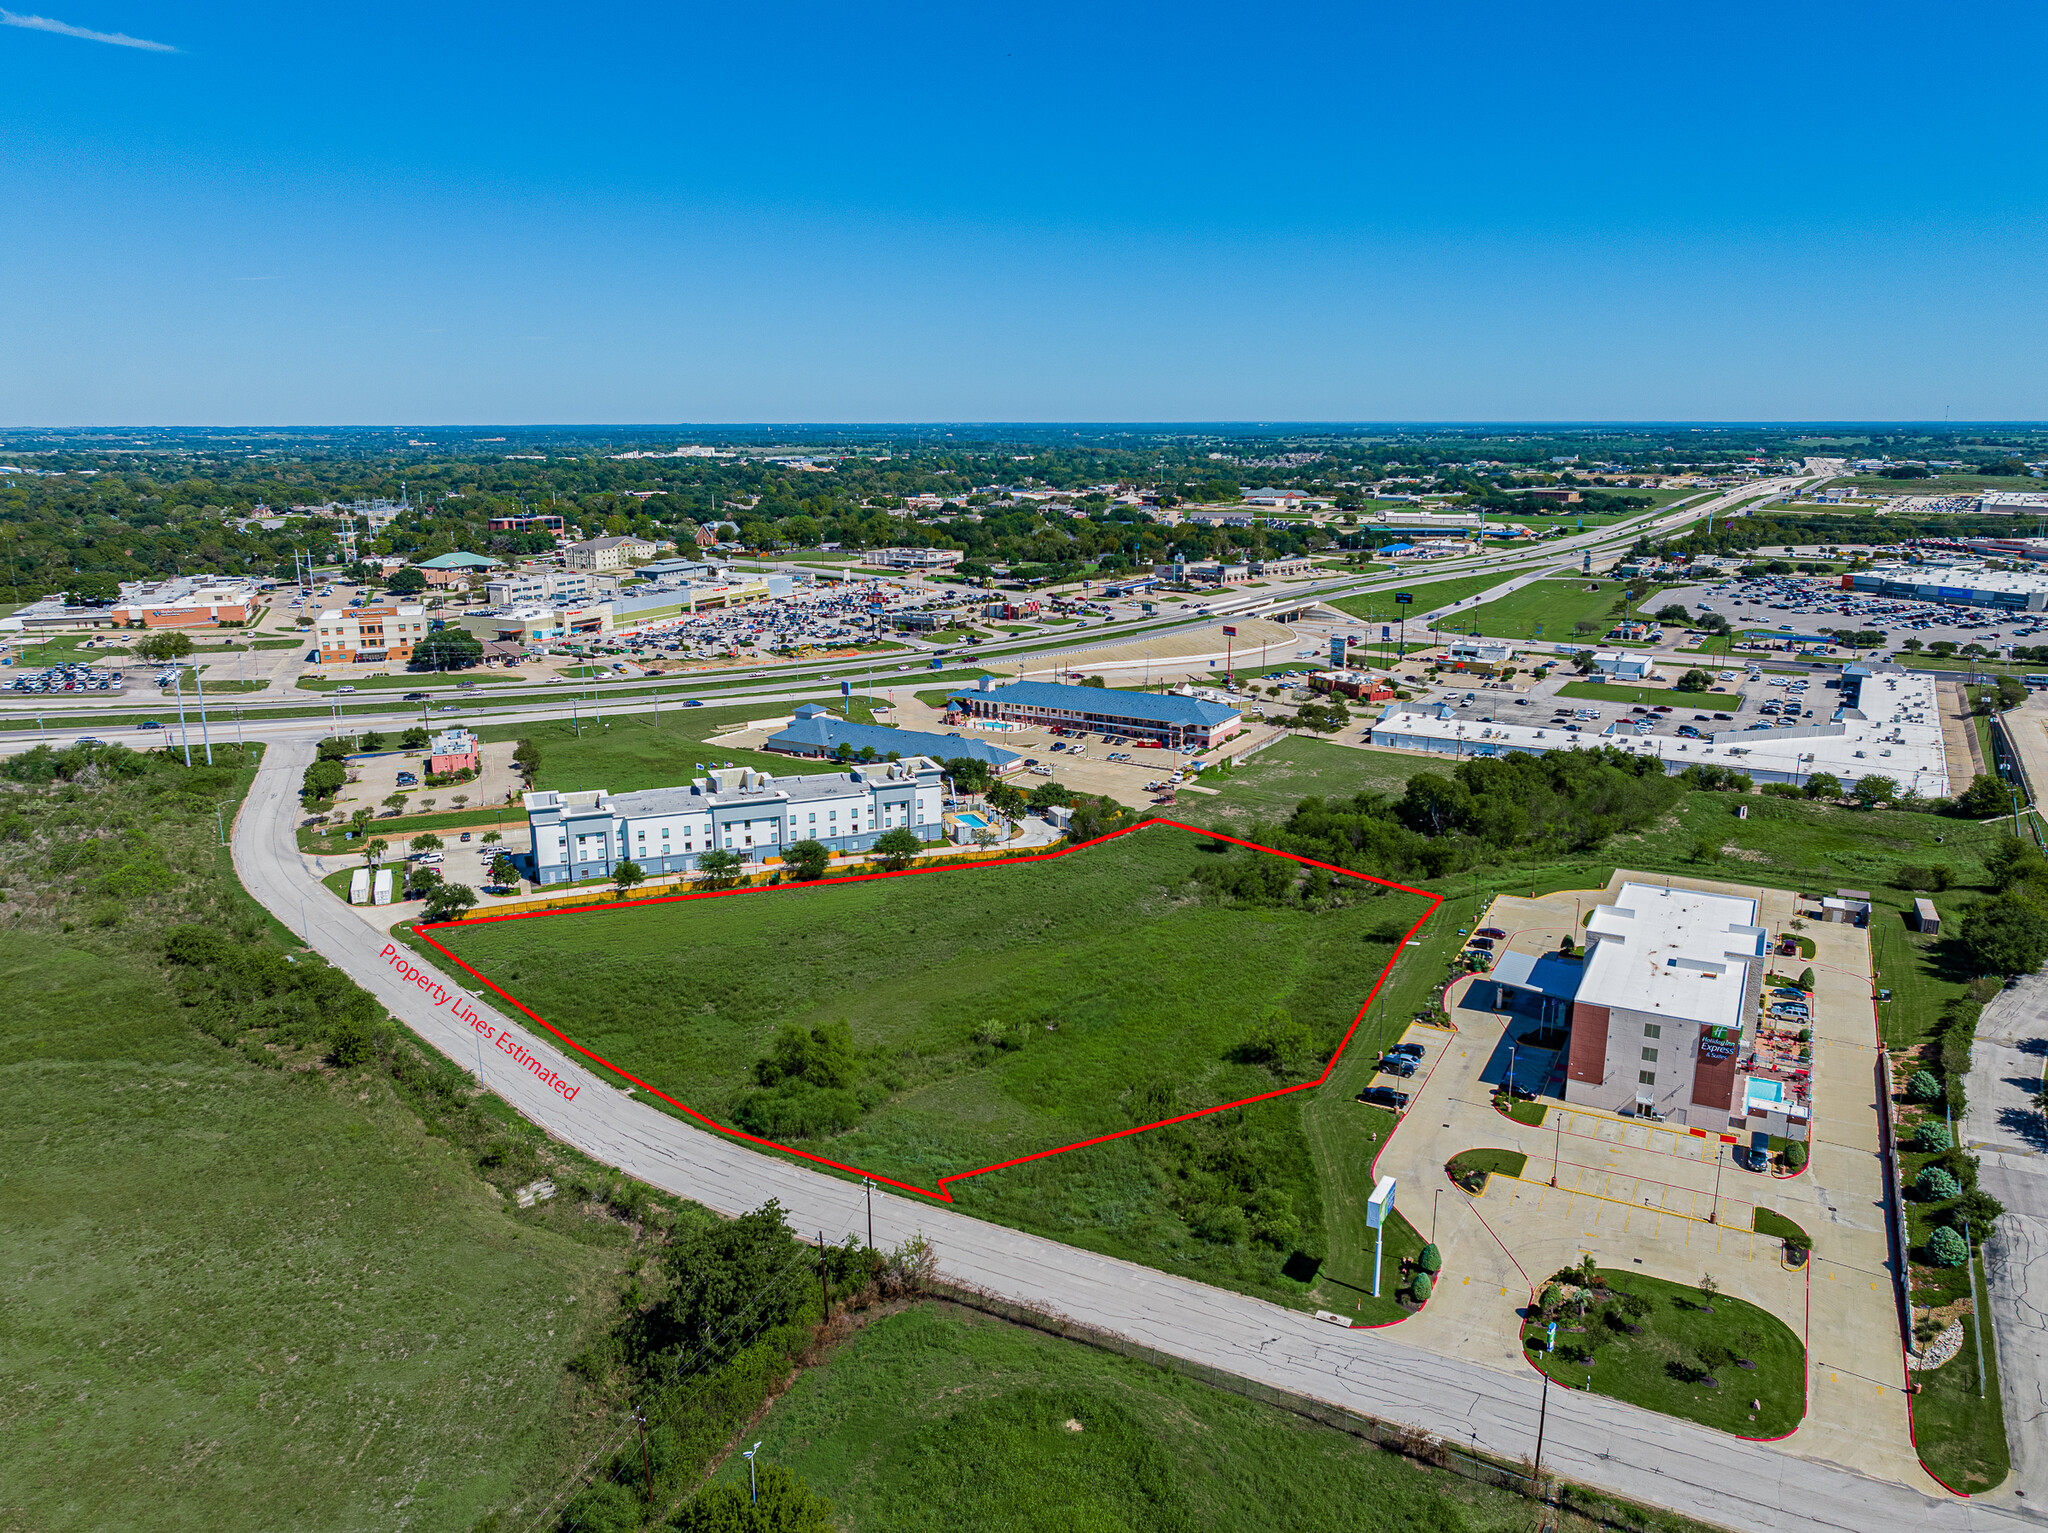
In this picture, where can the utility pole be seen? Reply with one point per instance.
(646, 1465)
(824, 1293)
(1542, 1415)
(177, 691)
(200, 687)
(870, 1182)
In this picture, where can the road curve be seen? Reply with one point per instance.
(1600, 1442)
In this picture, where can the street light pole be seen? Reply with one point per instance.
(753, 1485)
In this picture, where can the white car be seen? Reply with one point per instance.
(428, 857)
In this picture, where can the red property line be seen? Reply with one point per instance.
(940, 1192)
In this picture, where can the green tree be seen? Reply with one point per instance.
(1674, 612)
(452, 649)
(491, 838)
(504, 871)
(1006, 800)
(2005, 935)
(1875, 789)
(1936, 1185)
(1985, 798)
(1281, 1043)
(1795, 1155)
(359, 821)
(371, 741)
(1823, 785)
(787, 1505)
(1924, 1087)
(414, 739)
(1807, 979)
(807, 860)
(405, 582)
(897, 849)
(1431, 1259)
(627, 877)
(322, 780)
(167, 645)
(1979, 1211)
(448, 902)
(1694, 680)
(1420, 1285)
(426, 841)
(1931, 1137)
(721, 868)
(395, 802)
(1946, 1248)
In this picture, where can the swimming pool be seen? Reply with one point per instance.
(971, 821)
(1771, 1092)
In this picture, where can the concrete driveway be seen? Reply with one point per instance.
(2005, 1131)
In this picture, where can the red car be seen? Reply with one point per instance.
(1491, 931)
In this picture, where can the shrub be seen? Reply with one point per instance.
(1431, 1260)
(1945, 1248)
(1931, 1138)
(350, 1041)
(1935, 1185)
(1421, 1286)
(1795, 1154)
(1923, 1087)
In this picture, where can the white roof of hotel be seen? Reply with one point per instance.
(1672, 952)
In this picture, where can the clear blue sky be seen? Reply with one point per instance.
(828, 212)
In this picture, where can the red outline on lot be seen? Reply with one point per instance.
(940, 1192)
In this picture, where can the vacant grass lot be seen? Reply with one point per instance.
(997, 1013)
(229, 1288)
(941, 1419)
(1609, 692)
(1582, 607)
(629, 751)
(1269, 785)
(1665, 1368)
(1380, 606)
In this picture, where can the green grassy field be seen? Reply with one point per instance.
(628, 751)
(998, 1013)
(1553, 610)
(1609, 692)
(1380, 606)
(1659, 1369)
(1958, 1421)
(1266, 787)
(239, 1278)
(425, 681)
(942, 1419)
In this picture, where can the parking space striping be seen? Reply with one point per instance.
(1655, 1208)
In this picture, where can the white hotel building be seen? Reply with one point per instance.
(587, 834)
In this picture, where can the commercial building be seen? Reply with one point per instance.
(912, 558)
(190, 601)
(454, 750)
(1478, 652)
(457, 571)
(1887, 723)
(540, 521)
(667, 830)
(540, 625)
(370, 635)
(1285, 498)
(608, 553)
(820, 734)
(1285, 566)
(2013, 503)
(1955, 585)
(1175, 720)
(1670, 982)
(520, 587)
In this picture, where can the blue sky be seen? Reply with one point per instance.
(516, 213)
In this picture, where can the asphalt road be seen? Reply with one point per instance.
(2005, 1131)
(1648, 1457)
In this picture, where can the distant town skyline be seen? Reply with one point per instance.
(229, 213)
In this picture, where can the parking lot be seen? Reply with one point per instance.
(1746, 697)
(1662, 1199)
(1818, 604)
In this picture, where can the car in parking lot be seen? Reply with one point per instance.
(1406, 1050)
(1396, 1064)
(408, 780)
(1384, 1096)
(427, 857)
(1490, 931)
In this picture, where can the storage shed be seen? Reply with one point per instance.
(1925, 918)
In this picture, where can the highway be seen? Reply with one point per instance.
(311, 715)
(1600, 1442)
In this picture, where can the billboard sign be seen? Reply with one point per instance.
(1718, 1043)
(1380, 1204)
(1229, 632)
(1403, 598)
